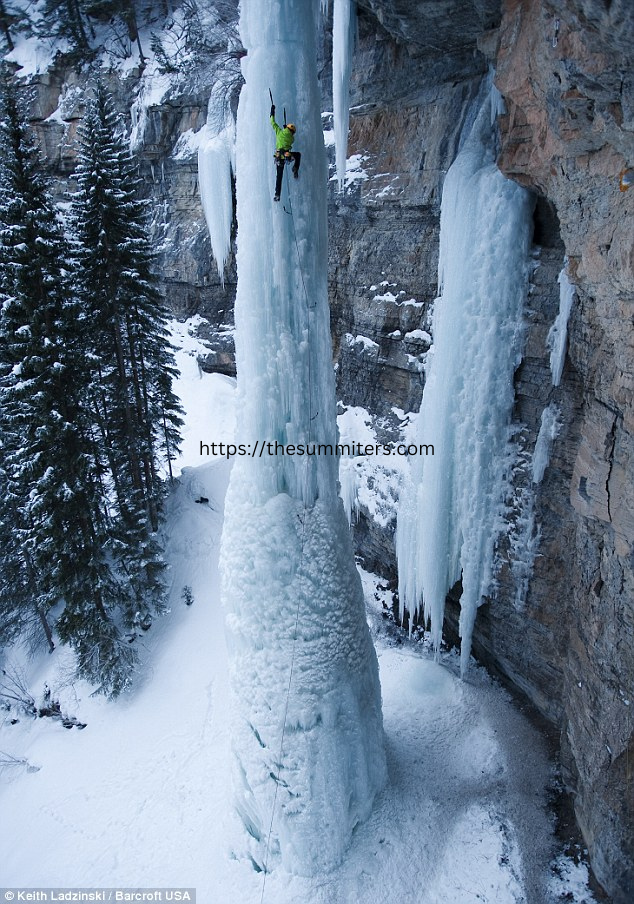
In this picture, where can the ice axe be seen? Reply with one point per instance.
(273, 104)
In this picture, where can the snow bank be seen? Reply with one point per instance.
(208, 399)
(451, 511)
(354, 172)
(420, 335)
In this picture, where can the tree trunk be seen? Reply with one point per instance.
(47, 628)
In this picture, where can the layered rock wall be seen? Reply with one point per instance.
(559, 624)
(168, 166)
(565, 71)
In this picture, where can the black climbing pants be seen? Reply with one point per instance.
(280, 164)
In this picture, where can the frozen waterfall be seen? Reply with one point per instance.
(215, 165)
(343, 34)
(451, 507)
(307, 732)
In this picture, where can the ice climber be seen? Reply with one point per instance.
(284, 138)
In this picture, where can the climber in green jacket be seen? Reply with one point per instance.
(284, 138)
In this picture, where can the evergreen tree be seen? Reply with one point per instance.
(7, 21)
(135, 409)
(53, 500)
(66, 19)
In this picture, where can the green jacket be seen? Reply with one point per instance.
(284, 138)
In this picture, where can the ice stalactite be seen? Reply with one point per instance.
(524, 533)
(451, 511)
(343, 35)
(216, 153)
(349, 488)
(559, 331)
(307, 732)
(548, 432)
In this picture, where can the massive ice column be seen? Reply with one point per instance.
(452, 508)
(307, 732)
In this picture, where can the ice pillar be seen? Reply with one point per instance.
(343, 33)
(307, 732)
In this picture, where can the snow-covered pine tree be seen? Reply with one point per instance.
(66, 19)
(135, 408)
(52, 493)
(21, 609)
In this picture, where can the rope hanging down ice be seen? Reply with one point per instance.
(311, 417)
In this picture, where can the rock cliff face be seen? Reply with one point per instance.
(168, 167)
(560, 621)
(565, 70)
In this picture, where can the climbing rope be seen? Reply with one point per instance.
(309, 307)
(299, 258)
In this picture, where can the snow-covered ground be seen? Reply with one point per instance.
(140, 796)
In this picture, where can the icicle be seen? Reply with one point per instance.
(558, 334)
(524, 536)
(452, 511)
(215, 164)
(344, 19)
(498, 107)
(548, 431)
(348, 484)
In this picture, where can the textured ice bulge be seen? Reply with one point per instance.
(343, 32)
(451, 508)
(215, 164)
(558, 333)
(307, 731)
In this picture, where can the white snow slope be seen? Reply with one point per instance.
(140, 796)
